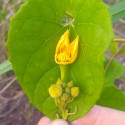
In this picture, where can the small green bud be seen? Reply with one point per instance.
(55, 91)
(64, 85)
(67, 90)
(75, 91)
(59, 82)
(64, 97)
(70, 84)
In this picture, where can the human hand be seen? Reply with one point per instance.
(97, 116)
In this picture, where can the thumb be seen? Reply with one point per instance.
(44, 121)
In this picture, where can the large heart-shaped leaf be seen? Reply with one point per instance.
(33, 36)
(112, 97)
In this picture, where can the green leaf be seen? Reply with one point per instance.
(113, 47)
(112, 97)
(1, 15)
(122, 51)
(5, 67)
(114, 71)
(118, 11)
(34, 33)
(24, 1)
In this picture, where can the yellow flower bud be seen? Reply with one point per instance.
(64, 97)
(67, 90)
(59, 82)
(70, 84)
(64, 85)
(66, 53)
(75, 91)
(55, 91)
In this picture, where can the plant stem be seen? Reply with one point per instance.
(64, 114)
(113, 57)
(64, 72)
(119, 40)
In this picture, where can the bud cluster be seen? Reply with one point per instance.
(63, 93)
(63, 90)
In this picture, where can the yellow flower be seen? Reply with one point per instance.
(66, 52)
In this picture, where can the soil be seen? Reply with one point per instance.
(15, 108)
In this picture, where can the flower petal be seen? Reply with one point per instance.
(62, 49)
(63, 42)
(74, 49)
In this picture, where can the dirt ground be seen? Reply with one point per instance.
(15, 108)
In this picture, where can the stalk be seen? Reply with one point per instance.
(64, 73)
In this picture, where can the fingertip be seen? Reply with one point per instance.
(59, 122)
(44, 121)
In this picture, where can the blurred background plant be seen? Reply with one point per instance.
(15, 108)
